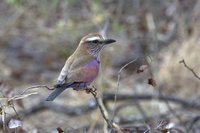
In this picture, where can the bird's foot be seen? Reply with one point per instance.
(92, 90)
(76, 89)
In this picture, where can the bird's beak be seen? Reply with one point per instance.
(108, 41)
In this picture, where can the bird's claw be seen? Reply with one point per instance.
(76, 89)
(92, 90)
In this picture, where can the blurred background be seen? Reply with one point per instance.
(36, 37)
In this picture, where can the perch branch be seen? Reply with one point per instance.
(110, 124)
(94, 94)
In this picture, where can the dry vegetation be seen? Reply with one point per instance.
(156, 92)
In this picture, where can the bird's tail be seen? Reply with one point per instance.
(55, 93)
(58, 90)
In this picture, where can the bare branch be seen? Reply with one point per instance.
(146, 97)
(94, 94)
(190, 69)
(37, 86)
(109, 123)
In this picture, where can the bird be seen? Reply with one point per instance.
(82, 67)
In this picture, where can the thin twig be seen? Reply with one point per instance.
(192, 123)
(189, 68)
(3, 118)
(10, 103)
(13, 107)
(36, 86)
(141, 110)
(172, 110)
(118, 83)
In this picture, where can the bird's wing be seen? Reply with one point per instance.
(83, 68)
(73, 63)
(63, 74)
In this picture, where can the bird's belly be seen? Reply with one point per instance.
(91, 70)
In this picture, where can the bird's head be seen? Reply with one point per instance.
(94, 42)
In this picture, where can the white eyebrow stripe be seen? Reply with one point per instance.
(93, 38)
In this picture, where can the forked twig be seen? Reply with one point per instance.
(9, 102)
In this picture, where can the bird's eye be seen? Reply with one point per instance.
(95, 41)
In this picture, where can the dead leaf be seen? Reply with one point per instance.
(59, 129)
(152, 82)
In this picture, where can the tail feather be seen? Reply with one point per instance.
(61, 87)
(55, 93)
